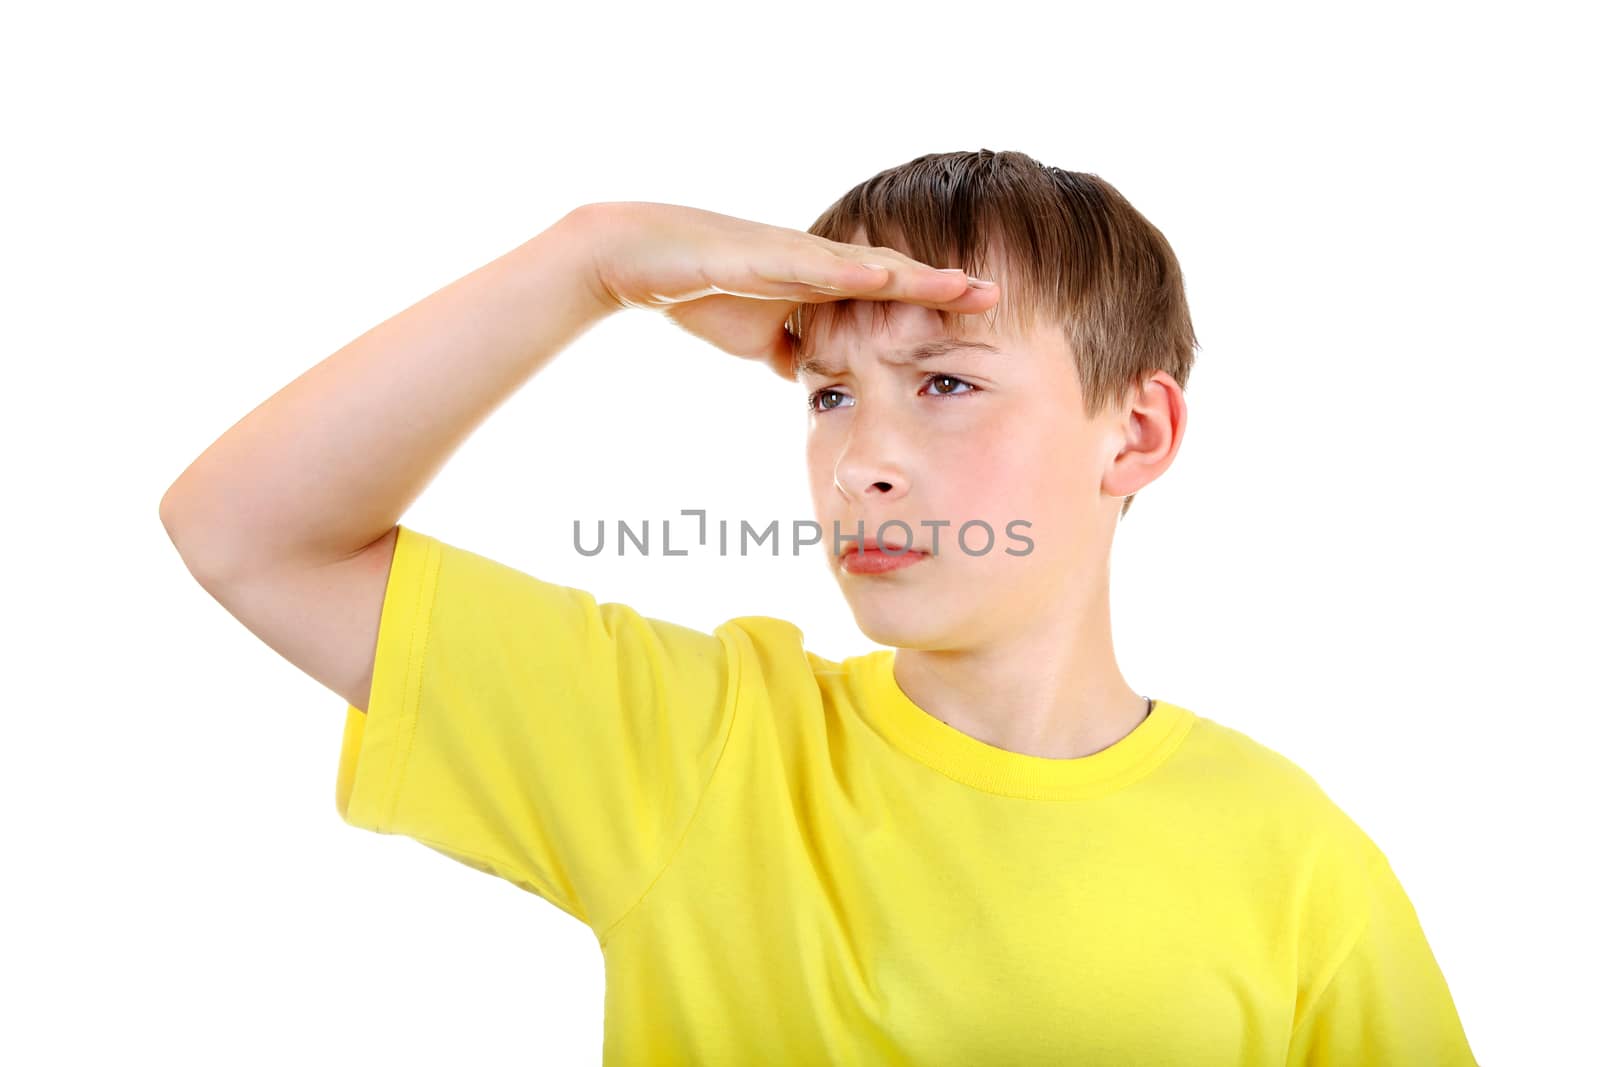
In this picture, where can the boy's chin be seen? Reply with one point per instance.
(897, 627)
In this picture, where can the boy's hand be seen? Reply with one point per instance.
(734, 282)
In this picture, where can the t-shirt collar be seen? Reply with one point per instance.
(996, 770)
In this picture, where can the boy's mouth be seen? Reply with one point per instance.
(872, 544)
(870, 557)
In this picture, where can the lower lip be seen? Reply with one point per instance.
(876, 562)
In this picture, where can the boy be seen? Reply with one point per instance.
(978, 846)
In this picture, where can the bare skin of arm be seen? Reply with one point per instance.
(289, 519)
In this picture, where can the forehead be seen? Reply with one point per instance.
(912, 333)
(869, 323)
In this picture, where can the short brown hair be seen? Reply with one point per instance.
(1072, 249)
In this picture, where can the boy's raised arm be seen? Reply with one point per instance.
(289, 519)
(328, 464)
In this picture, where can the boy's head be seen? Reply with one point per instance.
(1078, 405)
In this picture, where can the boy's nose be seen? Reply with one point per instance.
(871, 461)
(858, 478)
(881, 486)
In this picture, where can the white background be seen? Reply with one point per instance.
(1374, 553)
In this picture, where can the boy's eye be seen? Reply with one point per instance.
(933, 378)
(818, 401)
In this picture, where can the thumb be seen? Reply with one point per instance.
(782, 355)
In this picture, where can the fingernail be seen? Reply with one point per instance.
(950, 270)
(980, 283)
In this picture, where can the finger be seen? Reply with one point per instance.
(866, 272)
(783, 365)
(971, 301)
(836, 267)
(780, 354)
(898, 262)
(910, 281)
(919, 284)
(974, 300)
(838, 274)
(931, 285)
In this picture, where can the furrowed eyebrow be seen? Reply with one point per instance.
(926, 350)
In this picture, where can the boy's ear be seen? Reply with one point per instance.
(1150, 431)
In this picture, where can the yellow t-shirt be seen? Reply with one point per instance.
(785, 860)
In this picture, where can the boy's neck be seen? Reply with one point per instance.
(1054, 691)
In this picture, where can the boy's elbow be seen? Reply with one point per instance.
(200, 564)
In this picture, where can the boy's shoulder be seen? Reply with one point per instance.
(779, 644)
(1213, 742)
(1259, 787)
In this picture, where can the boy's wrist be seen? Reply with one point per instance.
(589, 233)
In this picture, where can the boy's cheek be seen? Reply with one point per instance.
(1031, 509)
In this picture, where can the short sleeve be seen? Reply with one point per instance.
(1386, 1001)
(523, 729)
